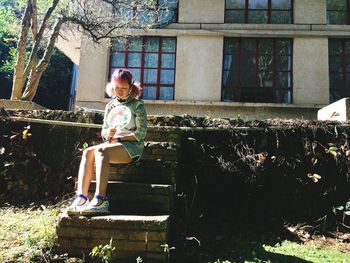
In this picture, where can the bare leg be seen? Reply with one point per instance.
(86, 171)
(107, 153)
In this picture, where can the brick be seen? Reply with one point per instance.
(73, 232)
(128, 235)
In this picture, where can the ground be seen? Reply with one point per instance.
(27, 235)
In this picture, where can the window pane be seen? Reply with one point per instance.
(264, 95)
(168, 45)
(135, 44)
(335, 47)
(336, 18)
(166, 93)
(336, 4)
(283, 79)
(282, 96)
(230, 62)
(248, 62)
(234, 16)
(247, 95)
(281, 4)
(335, 64)
(283, 63)
(230, 79)
(231, 46)
(258, 4)
(151, 60)
(118, 60)
(152, 44)
(168, 60)
(265, 46)
(283, 47)
(136, 73)
(249, 45)
(147, 16)
(118, 45)
(167, 77)
(266, 62)
(257, 17)
(150, 76)
(134, 59)
(167, 16)
(265, 79)
(149, 93)
(336, 80)
(168, 3)
(347, 82)
(347, 64)
(281, 17)
(230, 4)
(347, 47)
(335, 95)
(248, 79)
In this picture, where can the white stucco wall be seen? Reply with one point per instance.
(93, 71)
(198, 68)
(201, 11)
(309, 11)
(310, 70)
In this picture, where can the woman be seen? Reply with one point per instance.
(123, 132)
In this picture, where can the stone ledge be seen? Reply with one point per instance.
(125, 222)
(118, 187)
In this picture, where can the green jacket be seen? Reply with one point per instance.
(137, 125)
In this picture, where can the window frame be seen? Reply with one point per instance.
(268, 10)
(343, 65)
(256, 71)
(142, 67)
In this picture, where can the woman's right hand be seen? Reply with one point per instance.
(111, 132)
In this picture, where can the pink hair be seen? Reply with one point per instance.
(120, 76)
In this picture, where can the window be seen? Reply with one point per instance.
(257, 70)
(259, 11)
(339, 68)
(152, 62)
(168, 12)
(338, 12)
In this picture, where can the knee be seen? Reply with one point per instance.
(101, 151)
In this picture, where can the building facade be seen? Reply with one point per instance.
(255, 59)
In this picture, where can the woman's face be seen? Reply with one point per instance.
(122, 89)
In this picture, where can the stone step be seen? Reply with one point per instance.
(145, 171)
(132, 235)
(137, 198)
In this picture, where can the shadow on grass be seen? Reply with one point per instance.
(236, 240)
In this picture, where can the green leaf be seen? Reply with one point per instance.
(314, 160)
(334, 153)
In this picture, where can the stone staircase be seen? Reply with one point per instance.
(141, 203)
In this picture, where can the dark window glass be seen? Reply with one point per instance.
(151, 60)
(339, 68)
(338, 12)
(259, 11)
(257, 70)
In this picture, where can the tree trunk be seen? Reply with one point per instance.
(18, 78)
(37, 40)
(36, 74)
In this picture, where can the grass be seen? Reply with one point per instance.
(28, 234)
